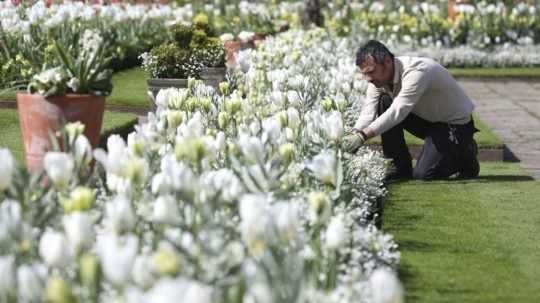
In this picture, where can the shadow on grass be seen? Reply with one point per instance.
(480, 179)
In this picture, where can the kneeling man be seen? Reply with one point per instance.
(420, 96)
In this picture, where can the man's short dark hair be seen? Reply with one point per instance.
(375, 49)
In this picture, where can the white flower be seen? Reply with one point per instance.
(336, 233)
(113, 160)
(83, 149)
(293, 118)
(30, 282)
(7, 283)
(180, 290)
(255, 222)
(333, 126)
(52, 248)
(198, 293)
(117, 255)
(74, 83)
(7, 164)
(142, 271)
(165, 210)
(245, 36)
(59, 167)
(323, 167)
(119, 214)
(287, 219)
(226, 37)
(252, 148)
(79, 230)
(385, 287)
(10, 221)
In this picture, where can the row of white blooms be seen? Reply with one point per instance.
(17, 19)
(239, 196)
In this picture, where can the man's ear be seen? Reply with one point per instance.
(388, 61)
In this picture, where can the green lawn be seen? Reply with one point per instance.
(485, 137)
(129, 90)
(522, 72)
(10, 132)
(468, 241)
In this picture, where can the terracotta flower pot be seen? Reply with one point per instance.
(231, 48)
(39, 115)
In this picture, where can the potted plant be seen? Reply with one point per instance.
(73, 90)
(195, 53)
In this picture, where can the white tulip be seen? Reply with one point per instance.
(166, 210)
(323, 167)
(52, 248)
(198, 293)
(333, 126)
(142, 271)
(83, 149)
(10, 221)
(7, 164)
(7, 283)
(119, 214)
(287, 219)
(117, 255)
(293, 118)
(31, 282)
(79, 230)
(255, 222)
(385, 287)
(336, 233)
(113, 160)
(59, 167)
(252, 148)
(180, 290)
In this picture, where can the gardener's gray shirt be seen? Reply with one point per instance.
(421, 86)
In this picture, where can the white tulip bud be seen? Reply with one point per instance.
(59, 167)
(336, 233)
(52, 248)
(79, 231)
(7, 164)
(385, 287)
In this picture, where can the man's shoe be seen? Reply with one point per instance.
(470, 167)
(397, 175)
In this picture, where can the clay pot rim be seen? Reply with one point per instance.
(69, 95)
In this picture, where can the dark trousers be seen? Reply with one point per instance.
(448, 148)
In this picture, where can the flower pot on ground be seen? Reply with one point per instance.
(72, 91)
(193, 54)
(42, 116)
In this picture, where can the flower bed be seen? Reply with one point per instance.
(238, 196)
